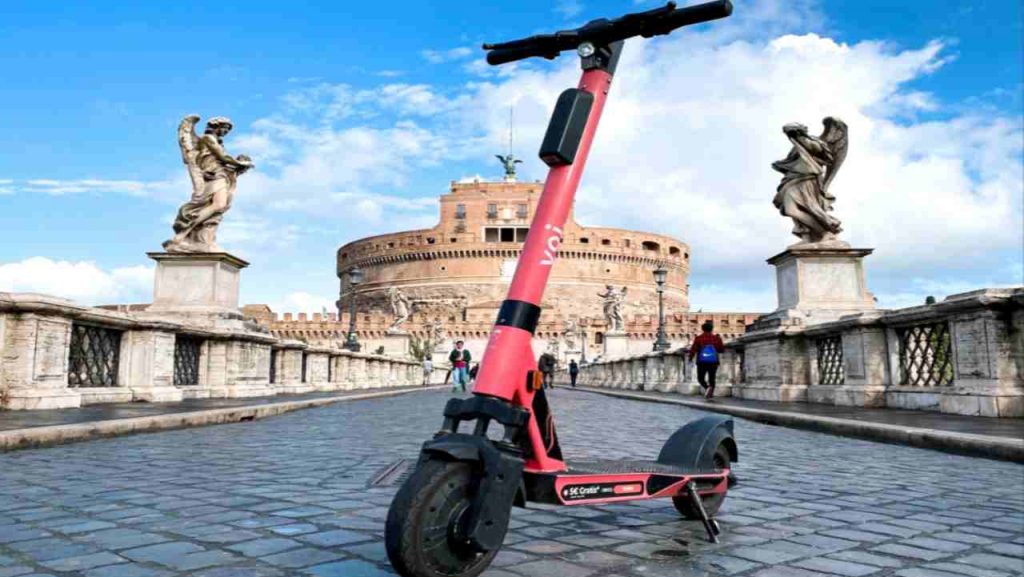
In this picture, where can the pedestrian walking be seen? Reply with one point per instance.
(546, 365)
(472, 374)
(459, 358)
(428, 369)
(706, 348)
(574, 371)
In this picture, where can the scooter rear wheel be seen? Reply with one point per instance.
(421, 534)
(711, 503)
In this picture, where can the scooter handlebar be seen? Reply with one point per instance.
(696, 14)
(646, 24)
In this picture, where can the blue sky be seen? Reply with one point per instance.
(359, 114)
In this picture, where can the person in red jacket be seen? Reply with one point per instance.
(707, 348)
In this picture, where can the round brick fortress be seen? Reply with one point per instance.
(465, 263)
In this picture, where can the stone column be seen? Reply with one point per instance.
(148, 366)
(671, 378)
(316, 369)
(34, 362)
(342, 372)
(637, 374)
(357, 372)
(654, 365)
(374, 372)
(288, 372)
(776, 367)
(213, 375)
(620, 374)
(248, 369)
(988, 355)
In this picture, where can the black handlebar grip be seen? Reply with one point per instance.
(699, 13)
(506, 55)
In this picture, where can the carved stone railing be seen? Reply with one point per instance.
(666, 372)
(56, 354)
(963, 355)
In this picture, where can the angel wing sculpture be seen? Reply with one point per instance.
(214, 175)
(808, 171)
(509, 163)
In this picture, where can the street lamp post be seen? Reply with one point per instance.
(355, 277)
(660, 275)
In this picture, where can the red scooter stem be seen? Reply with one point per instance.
(509, 354)
(555, 204)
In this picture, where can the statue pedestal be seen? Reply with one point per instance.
(819, 283)
(196, 282)
(397, 345)
(616, 346)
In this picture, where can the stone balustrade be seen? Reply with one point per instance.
(57, 354)
(963, 355)
(666, 372)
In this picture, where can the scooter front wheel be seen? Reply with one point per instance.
(421, 534)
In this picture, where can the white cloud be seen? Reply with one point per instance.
(304, 302)
(693, 124)
(88, 185)
(568, 8)
(442, 56)
(83, 281)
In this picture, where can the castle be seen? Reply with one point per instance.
(455, 275)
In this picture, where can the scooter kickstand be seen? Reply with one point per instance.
(710, 525)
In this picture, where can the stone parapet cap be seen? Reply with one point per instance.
(290, 345)
(771, 332)
(198, 256)
(864, 319)
(820, 250)
(22, 303)
(968, 302)
(957, 304)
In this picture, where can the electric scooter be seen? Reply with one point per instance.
(450, 516)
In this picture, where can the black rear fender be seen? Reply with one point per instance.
(693, 445)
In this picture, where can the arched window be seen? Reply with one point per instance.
(673, 250)
(651, 245)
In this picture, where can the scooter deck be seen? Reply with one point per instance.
(626, 466)
(594, 482)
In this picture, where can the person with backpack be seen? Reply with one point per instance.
(459, 358)
(574, 371)
(706, 348)
(546, 365)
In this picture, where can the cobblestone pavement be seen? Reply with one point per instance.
(288, 496)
